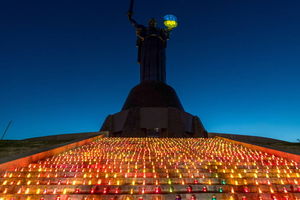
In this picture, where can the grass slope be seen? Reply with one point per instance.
(280, 145)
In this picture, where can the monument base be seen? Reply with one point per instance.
(153, 109)
(153, 122)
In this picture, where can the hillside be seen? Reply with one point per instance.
(12, 149)
(280, 145)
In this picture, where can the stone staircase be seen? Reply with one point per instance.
(155, 169)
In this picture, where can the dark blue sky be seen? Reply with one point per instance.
(66, 65)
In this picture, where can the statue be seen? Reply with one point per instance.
(151, 43)
(152, 108)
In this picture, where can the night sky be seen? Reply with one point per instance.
(66, 65)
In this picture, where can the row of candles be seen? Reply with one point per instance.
(180, 175)
(84, 181)
(177, 197)
(104, 189)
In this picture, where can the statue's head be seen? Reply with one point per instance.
(152, 23)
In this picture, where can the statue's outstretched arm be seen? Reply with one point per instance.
(132, 21)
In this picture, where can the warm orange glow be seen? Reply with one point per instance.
(156, 166)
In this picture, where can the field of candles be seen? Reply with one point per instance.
(155, 169)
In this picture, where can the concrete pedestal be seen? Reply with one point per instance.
(153, 109)
(154, 122)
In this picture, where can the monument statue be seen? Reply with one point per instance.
(151, 43)
(152, 108)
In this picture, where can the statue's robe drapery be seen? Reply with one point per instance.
(151, 43)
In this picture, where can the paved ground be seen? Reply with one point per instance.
(153, 169)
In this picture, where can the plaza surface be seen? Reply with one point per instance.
(155, 169)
